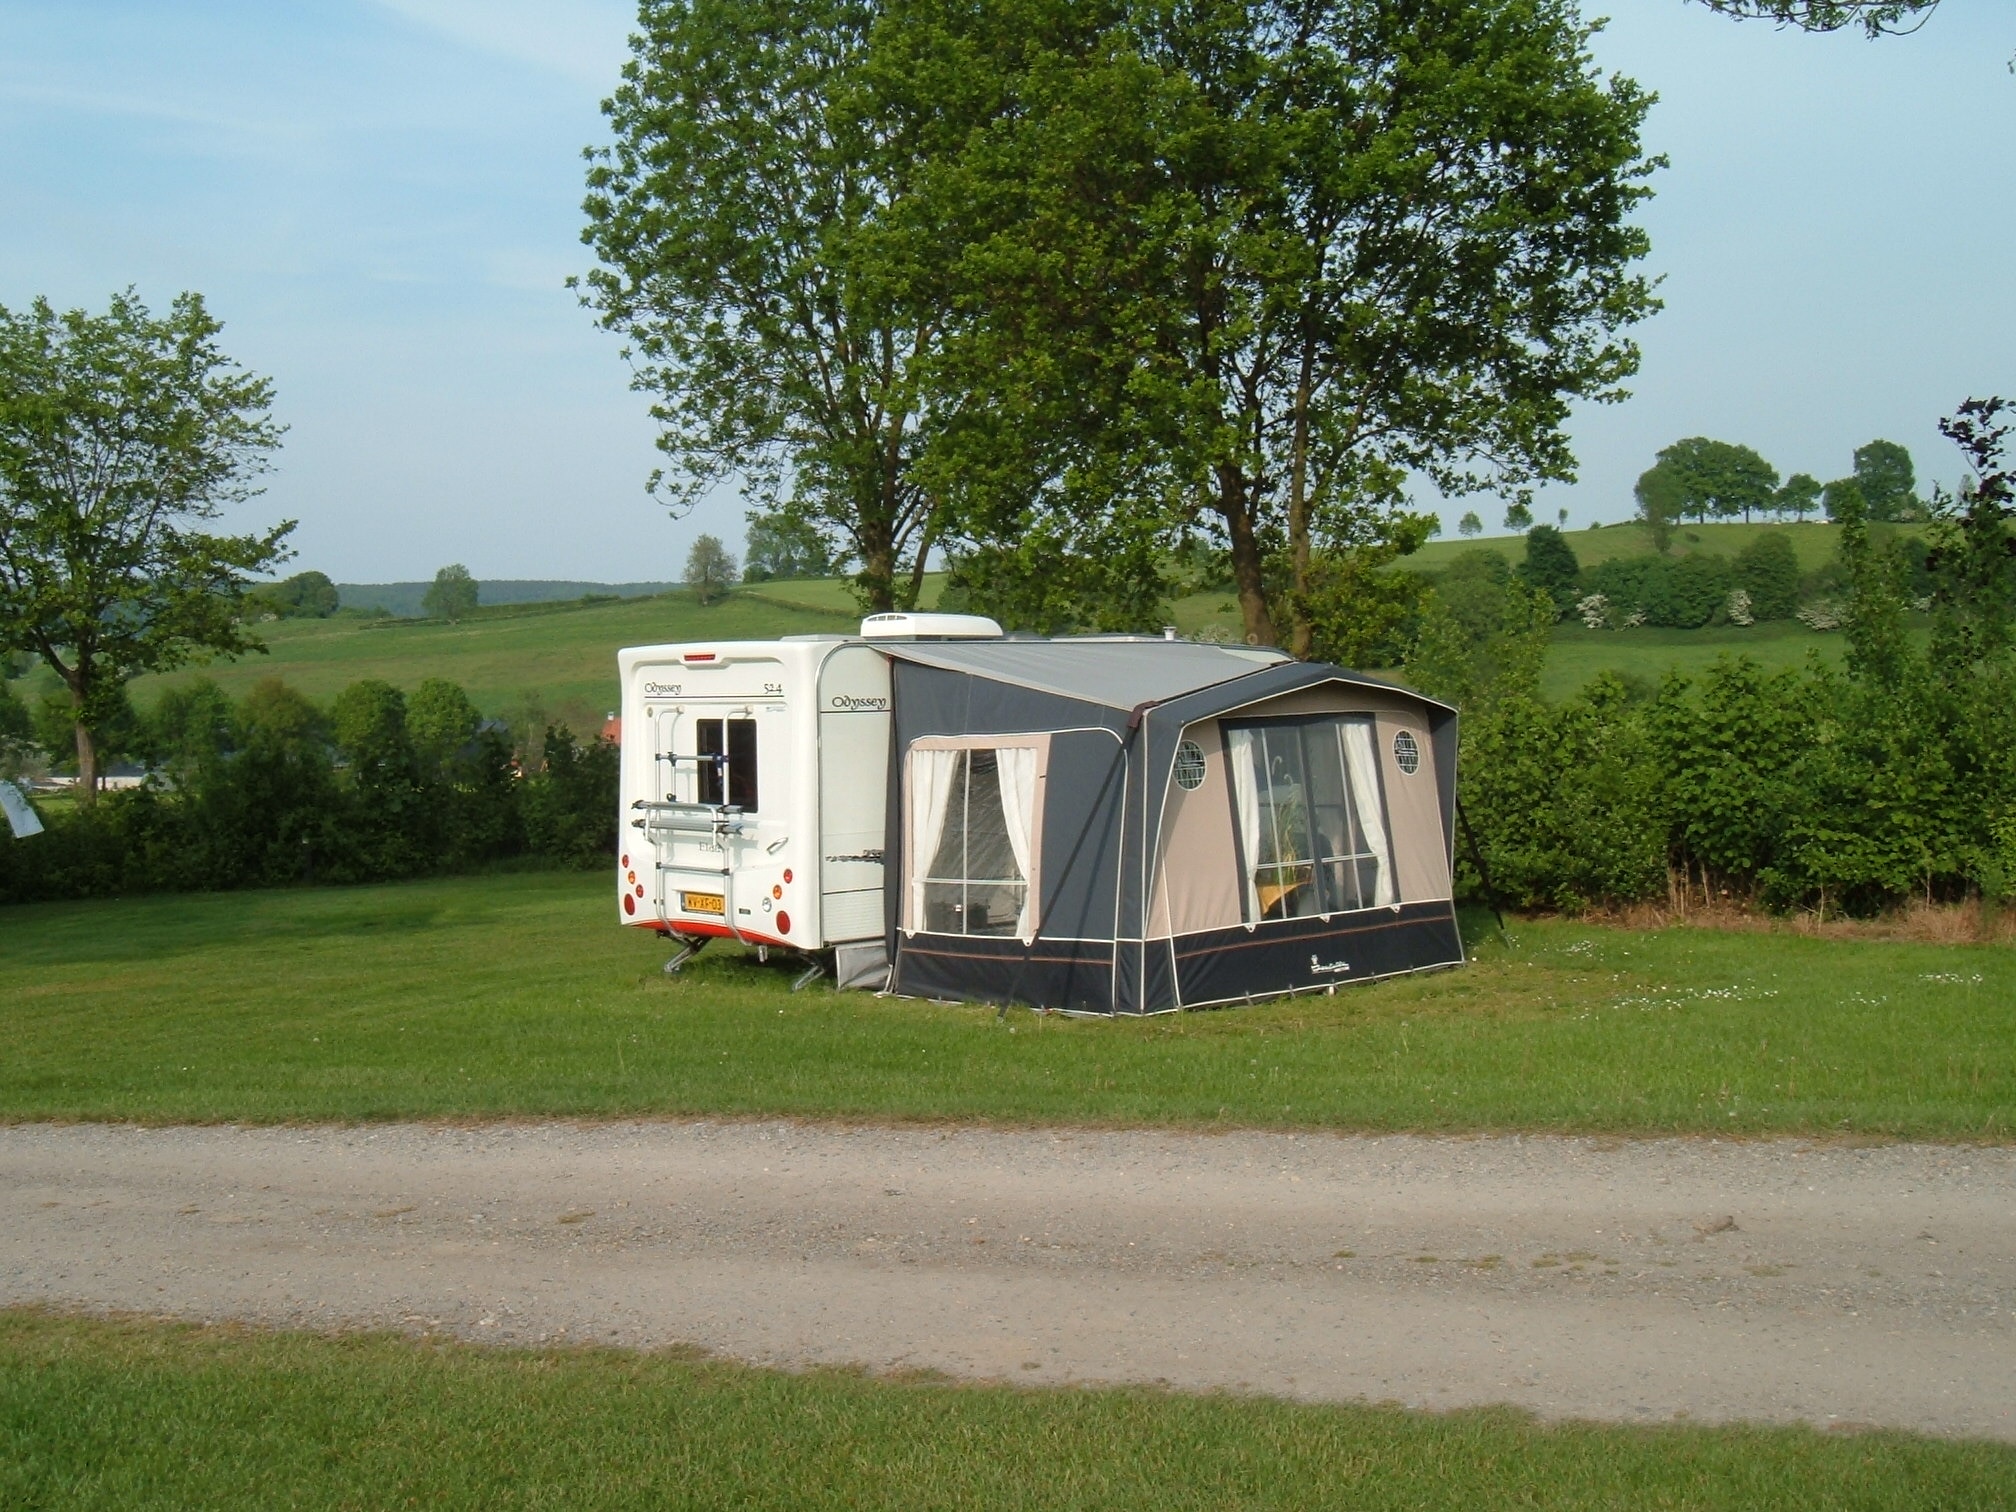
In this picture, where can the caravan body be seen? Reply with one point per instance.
(755, 784)
(754, 789)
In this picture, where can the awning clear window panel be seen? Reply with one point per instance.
(973, 814)
(1311, 817)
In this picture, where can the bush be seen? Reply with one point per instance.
(1768, 570)
(1680, 593)
(274, 792)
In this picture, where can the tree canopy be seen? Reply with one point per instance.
(1246, 270)
(741, 218)
(120, 434)
(453, 594)
(710, 569)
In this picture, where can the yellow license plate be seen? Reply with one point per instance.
(702, 903)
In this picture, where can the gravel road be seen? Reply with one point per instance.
(1632, 1280)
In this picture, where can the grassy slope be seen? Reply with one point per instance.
(1813, 543)
(563, 653)
(519, 995)
(132, 1414)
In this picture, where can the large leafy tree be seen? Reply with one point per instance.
(1718, 478)
(741, 219)
(1246, 270)
(121, 434)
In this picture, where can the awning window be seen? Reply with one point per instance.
(974, 820)
(1310, 817)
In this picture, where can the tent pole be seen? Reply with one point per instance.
(1483, 872)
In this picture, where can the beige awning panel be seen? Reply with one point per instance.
(1197, 884)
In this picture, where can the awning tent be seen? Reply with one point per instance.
(1131, 826)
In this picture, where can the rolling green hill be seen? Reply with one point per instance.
(1812, 543)
(561, 656)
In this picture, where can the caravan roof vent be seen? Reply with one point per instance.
(930, 627)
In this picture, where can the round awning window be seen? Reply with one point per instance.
(1406, 752)
(1190, 766)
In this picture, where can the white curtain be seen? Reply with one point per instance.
(1364, 770)
(1246, 794)
(1016, 766)
(934, 776)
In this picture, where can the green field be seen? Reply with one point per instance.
(509, 995)
(560, 657)
(564, 654)
(132, 1414)
(1813, 543)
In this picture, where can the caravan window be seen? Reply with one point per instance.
(737, 738)
(973, 822)
(1310, 815)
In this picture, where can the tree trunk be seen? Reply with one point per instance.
(878, 566)
(87, 766)
(1246, 566)
(1298, 520)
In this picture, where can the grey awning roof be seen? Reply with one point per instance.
(1118, 674)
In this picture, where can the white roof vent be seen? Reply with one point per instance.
(930, 627)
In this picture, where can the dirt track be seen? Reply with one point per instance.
(1627, 1280)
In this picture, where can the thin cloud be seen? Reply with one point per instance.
(583, 42)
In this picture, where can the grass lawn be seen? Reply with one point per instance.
(1579, 653)
(130, 1414)
(518, 994)
(1813, 543)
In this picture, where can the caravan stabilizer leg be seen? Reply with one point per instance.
(687, 951)
(808, 976)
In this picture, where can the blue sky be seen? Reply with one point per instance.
(381, 200)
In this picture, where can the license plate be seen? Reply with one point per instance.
(702, 903)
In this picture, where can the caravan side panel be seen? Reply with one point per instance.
(853, 793)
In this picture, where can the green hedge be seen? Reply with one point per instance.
(274, 791)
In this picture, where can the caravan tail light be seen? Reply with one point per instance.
(697, 656)
(629, 904)
(787, 874)
(776, 892)
(626, 860)
(783, 923)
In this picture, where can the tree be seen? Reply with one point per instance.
(710, 569)
(741, 219)
(784, 544)
(1470, 525)
(1799, 496)
(1842, 499)
(1245, 270)
(441, 720)
(1550, 566)
(306, 595)
(1518, 517)
(1661, 499)
(1973, 559)
(120, 434)
(452, 595)
(1768, 570)
(1889, 483)
(1715, 477)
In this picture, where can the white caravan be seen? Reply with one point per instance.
(755, 788)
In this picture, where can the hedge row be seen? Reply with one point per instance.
(274, 791)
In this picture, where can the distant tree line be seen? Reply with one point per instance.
(272, 790)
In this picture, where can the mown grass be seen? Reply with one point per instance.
(512, 995)
(134, 1414)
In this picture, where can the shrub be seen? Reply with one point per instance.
(1768, 570)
